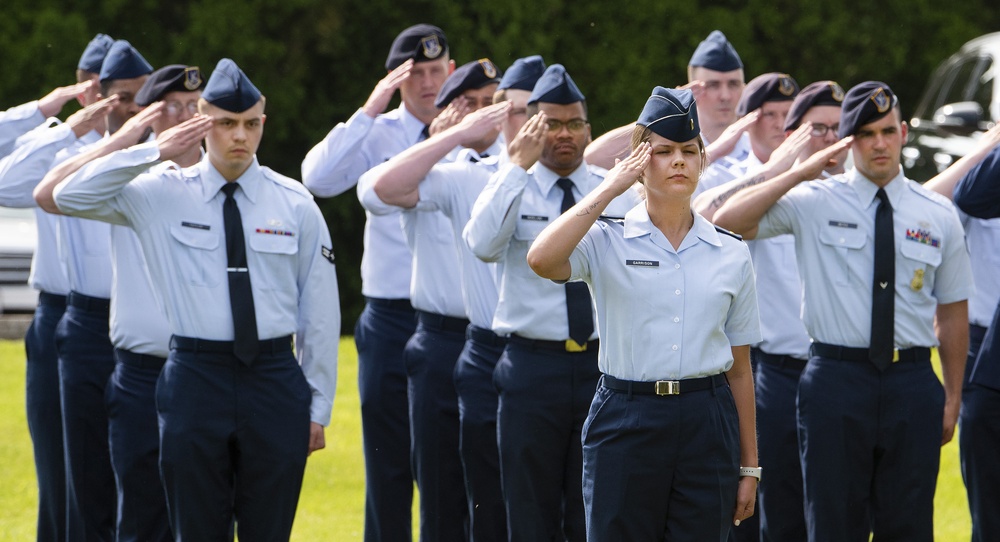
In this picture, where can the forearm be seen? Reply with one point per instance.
(43, 193)
(398, 181)
(741, 383)
(743, 211)
(91, 191)
(952, 329)
(710, 201)
(494, 215)
(603, 151)
(334, 165)
(26, 166)
(549, 253)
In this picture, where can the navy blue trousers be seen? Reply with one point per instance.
(86, 361)
(45, 416)
(233, 443)
(979, 439)
(380, 335)
(661, 468)
(430, 356)
(870, 445)
(779, 495)
(477, 412)
(134, 437)
(544, 399)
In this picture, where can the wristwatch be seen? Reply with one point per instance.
(751, 471)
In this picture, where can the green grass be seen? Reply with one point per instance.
(332, 503)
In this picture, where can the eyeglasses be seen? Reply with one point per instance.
(174, 108)
(574, 125)
(820, 130)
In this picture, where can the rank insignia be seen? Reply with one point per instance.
(836, 92)
(881, 100)
(489, 70)
(327, 253)
(918, 280)
(785, 85)
(431, 46)
(192, 78)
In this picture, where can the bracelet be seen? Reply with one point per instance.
(753, 472)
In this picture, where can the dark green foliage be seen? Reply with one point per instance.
(317, 61)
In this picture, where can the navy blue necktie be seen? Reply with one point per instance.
(579, 308)
(245, 342)
(884, 288)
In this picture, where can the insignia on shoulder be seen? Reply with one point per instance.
(431, 46)
(881, 100)
(192, 78)
(488, 68)
(837, 92)
(327, 253)
(785, 85)
(918, 280)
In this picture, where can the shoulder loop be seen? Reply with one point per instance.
(724, 231)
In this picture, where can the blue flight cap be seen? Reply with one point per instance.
(523, 73)
(865, 103)
(124, 62)
(716, 53)
(93, 55)
(815, 94)
(672, 114)
(555, 86)
(471, 76)
(422, 42)
(770, 87)
(230, 89)
(172, 78)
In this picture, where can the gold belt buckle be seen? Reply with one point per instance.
(895, 355)
(573, 346)
(668, 387)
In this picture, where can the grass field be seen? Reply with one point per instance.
(332, 503)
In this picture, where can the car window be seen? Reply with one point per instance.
(959, 81)
(983, 93)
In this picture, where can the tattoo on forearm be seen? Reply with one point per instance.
(586, 211)
(722, 198)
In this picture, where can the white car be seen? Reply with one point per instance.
(17, 245)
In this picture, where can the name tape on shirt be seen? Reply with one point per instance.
(536, 218)
(642, 263)
(839, 224)
(195, 226)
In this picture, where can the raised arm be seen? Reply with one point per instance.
(978, 192)
(743, 211)
(721, 147)
(944, 183)
(549, 253)
(612, 146)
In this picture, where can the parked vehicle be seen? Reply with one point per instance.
(962, 100)
(17, 245)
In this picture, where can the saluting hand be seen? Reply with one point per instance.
(52, 103)
(385, 89)
(450, 116)
(731, 136)
(784, 157)
(697, 88)
(626, 172)
(136, 128)
(478, 124)
(183, 137)
(92, 117)
(526, 148)
(827, 158)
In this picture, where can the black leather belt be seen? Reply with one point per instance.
(394, 304)
(847, 353)
(442, 322)
(664, 387)
(484, 336)
(782, 361)
(141, 361)
(569, 345)
(88, 303)
(190, 344)
(52, 300)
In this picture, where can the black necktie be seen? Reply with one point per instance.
(883, 289)
(425, 133)
(579, 308)
(240, 294)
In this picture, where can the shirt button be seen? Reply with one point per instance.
(677, 266)
(678, 292)
(675, 347)
(676, 319)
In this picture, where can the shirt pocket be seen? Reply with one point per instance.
(848, 245)
(530, 226)
(278, 255)
(193, 254)
(917, 265)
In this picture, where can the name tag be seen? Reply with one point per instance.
(536, 218)
(642, 263)
(839, 224)
(196, 226)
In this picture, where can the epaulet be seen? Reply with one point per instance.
(919, 189)
(620, 220)
(597, 170)
(285, 182)
(724, 231)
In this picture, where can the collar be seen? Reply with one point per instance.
(412, 126)
(212, 181)
(637, 224)
(470, 155)
(865, 189)
(546, 178)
